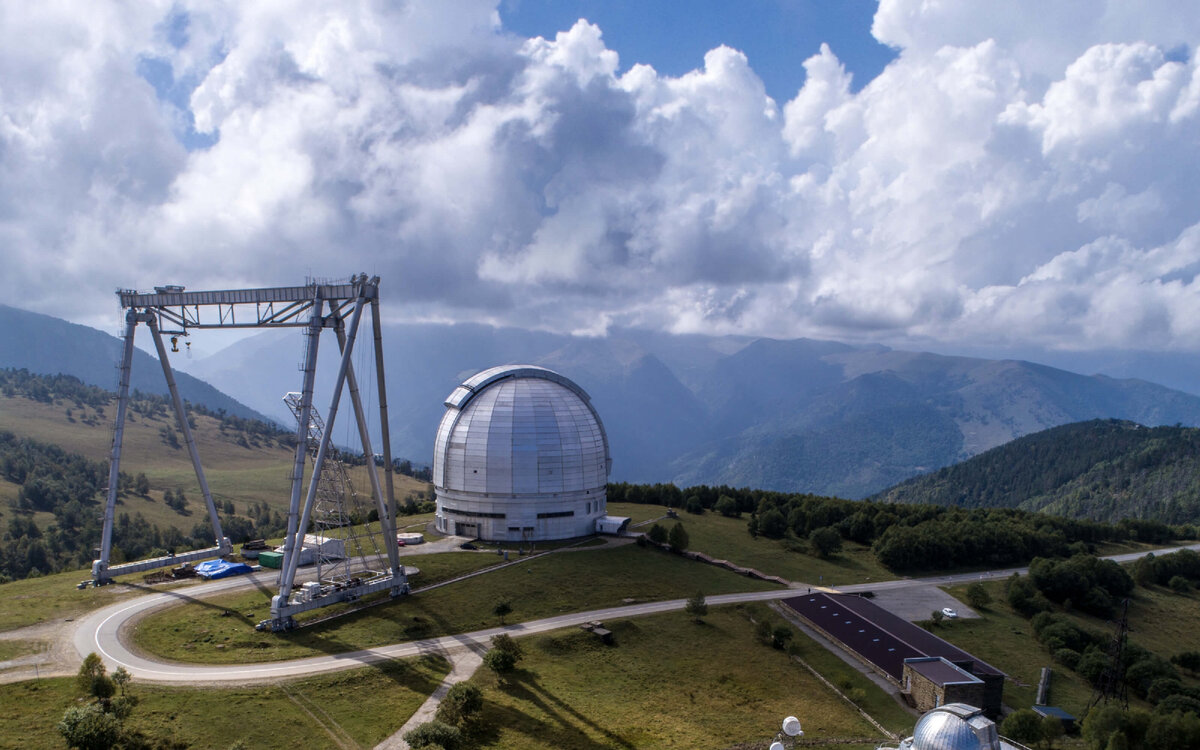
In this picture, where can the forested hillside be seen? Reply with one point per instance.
(1103, 470)
(904, 538)
(55, 435)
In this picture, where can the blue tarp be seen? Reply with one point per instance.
(213, 569)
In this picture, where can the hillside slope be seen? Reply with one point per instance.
(50, 346)
(1103, 470)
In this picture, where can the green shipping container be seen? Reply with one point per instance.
(270, 559)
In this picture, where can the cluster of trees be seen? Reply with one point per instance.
(1104, 469)
(904, 537)
(1086, 652)
(459, 715)
(1179, 570)
(48, 389)
(1083, 581)
(1109, 727)
(676, 538)
(1092, 585)
(99, 720)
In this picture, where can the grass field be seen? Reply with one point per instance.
(541, 587)
(1159, 620)
(241, 474)
(356, 708)
(668, 682)
(727, 538)
(54, 597)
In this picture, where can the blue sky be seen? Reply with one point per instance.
(776, 35)
(1018, 176)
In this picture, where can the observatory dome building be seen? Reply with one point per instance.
(955, 726)
(520, 455)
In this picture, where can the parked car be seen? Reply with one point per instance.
(949, 613)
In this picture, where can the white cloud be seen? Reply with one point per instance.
(1021, 173)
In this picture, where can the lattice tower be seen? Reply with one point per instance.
(335, 509)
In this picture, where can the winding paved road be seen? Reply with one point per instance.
(101, 631)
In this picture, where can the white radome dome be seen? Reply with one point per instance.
(519, 451)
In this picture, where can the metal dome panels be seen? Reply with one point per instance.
(955, 726)
(520, 430)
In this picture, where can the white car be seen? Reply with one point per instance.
(949, 614)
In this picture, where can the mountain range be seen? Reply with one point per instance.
(45, 344)
(793, 415)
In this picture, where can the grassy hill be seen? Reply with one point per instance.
(247, 464)
(1103, 470)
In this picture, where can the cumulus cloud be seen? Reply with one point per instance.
(1017, 175)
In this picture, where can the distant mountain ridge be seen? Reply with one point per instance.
(47, 345)
(1101, 470)
(791, 415)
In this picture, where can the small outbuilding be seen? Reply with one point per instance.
(933, 681)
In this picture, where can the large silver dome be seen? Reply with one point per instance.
(514, 441)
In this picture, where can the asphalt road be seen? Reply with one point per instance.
(101, 631)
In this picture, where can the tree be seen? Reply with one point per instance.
(461, 704)
(678, 538)
(91, 669)
(978, 596)
(658, 534)
(693, 505)
(1179, 584)
(92, 678)
(505, 642)
(121, 678)
(142, 484)
(1117, 742)
(696, 606)
(89, 727)
(727, 506)
(502, 609)
(1051, 730)
(1024, 726)
(772, 524)
(826, 541)
(780, 636)
(1189, 660)
(434, 734)
(500, 662)
(936, 615)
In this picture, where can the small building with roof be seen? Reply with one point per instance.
(932, 681)
(521, 455)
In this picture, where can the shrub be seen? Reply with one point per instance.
(1024, 726)
(977, 596)
(434, 734)
(1067, 657)
(461, 704)
(500, 662)
(678, 538)
(657, 534)
(825, 541)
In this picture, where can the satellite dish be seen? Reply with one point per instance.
(776, 746)
(791, 727)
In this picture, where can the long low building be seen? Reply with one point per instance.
(886, 643)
